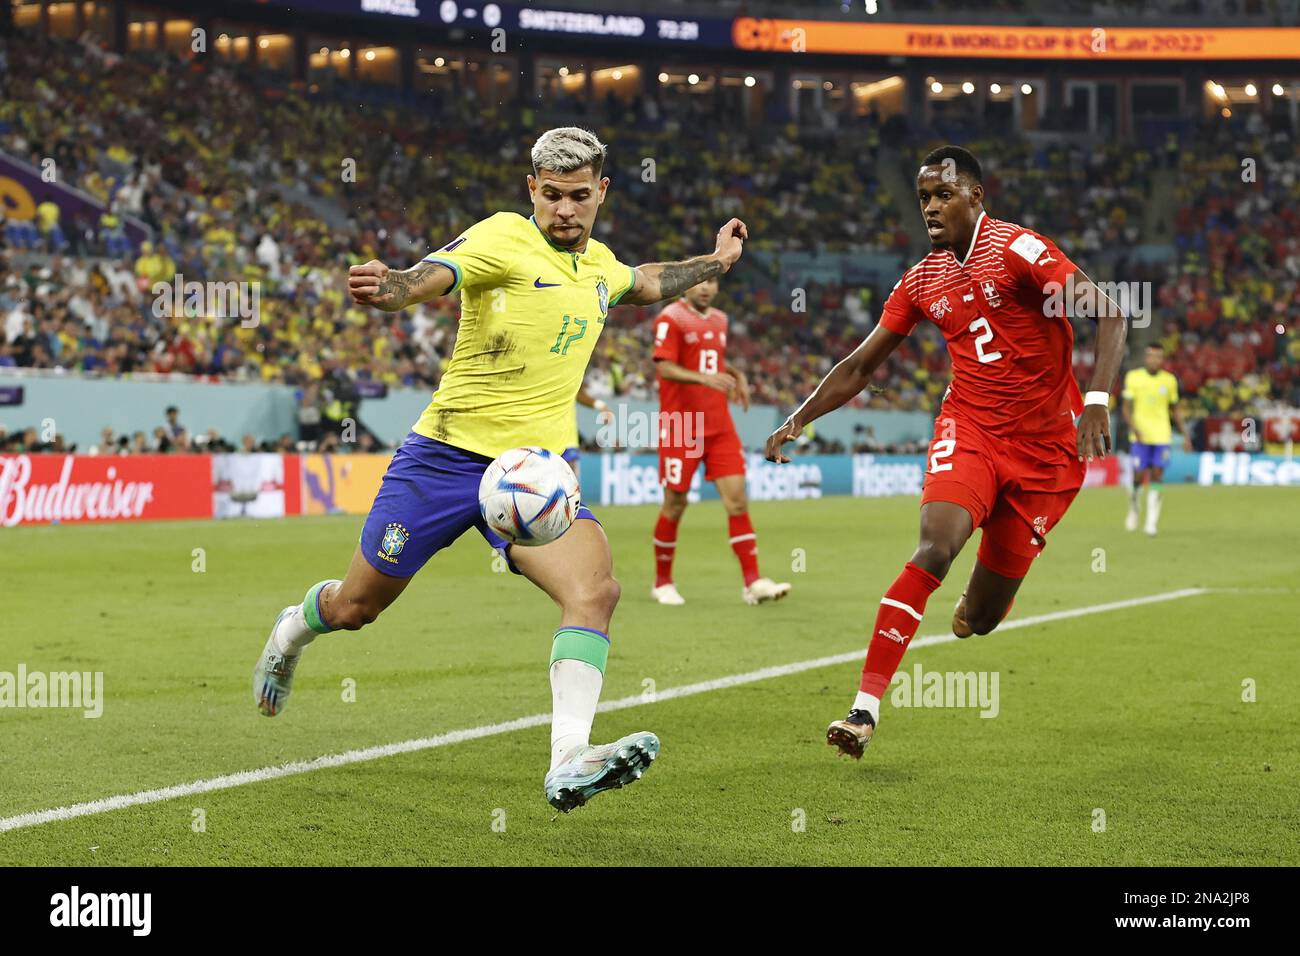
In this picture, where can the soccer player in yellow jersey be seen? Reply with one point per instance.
(534, 297)
(1150, 399)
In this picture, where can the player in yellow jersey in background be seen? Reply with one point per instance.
(1150, 399)
(535, 294)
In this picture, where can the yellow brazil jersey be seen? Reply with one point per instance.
(1152, 397)
(530, 315)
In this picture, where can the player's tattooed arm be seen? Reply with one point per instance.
(656, 281)
(847, 379)
(388, 289)
(1093, 435)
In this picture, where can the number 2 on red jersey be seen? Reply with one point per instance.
(982, 325)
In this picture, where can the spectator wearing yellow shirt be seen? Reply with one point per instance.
(112, 233)
(154, 266)
(47, 223)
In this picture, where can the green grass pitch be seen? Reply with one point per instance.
(1137, 713)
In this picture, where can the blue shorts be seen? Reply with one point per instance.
(428, 499)
(572, 454)
(1149, 456)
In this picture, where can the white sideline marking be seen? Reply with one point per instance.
(226, 782)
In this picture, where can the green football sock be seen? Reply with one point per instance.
(581, 644)
(577, 670)
(311, 607)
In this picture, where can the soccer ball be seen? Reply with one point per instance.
(528, 496)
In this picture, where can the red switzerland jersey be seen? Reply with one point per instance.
(699, 343)
(1012, 371)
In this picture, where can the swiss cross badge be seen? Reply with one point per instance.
(990, 291)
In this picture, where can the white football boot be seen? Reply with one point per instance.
(667, 594)
(273, 675)
(764, 589)
(592, 770)
(1131, 522)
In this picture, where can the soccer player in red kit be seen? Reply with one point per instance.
(695, 425)
(1006, 456)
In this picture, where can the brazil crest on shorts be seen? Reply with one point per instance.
(395, 538)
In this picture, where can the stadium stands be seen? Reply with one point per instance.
(254, 189)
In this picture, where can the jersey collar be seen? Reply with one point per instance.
(974, 236)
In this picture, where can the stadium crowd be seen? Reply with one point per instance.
(231, 196)
(271, 184)
(1232, 301)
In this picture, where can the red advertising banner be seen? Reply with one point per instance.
(41, 489)
(293, 484)
(1282, 427)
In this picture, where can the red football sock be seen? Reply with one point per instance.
(896, 623)
(665, 547)
(745, 543)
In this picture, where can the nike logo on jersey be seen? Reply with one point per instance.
(539, 284)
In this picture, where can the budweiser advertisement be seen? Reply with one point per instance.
(45, 489)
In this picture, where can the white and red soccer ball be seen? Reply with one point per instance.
(529, 496)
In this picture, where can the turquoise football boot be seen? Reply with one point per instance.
(593, 770)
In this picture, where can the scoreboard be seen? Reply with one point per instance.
(537, 20)
(848, 37)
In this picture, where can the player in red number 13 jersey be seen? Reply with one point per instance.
(1006, 455)
(695, 383)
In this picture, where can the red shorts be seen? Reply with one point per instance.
(1016, 489)
(722, 455)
